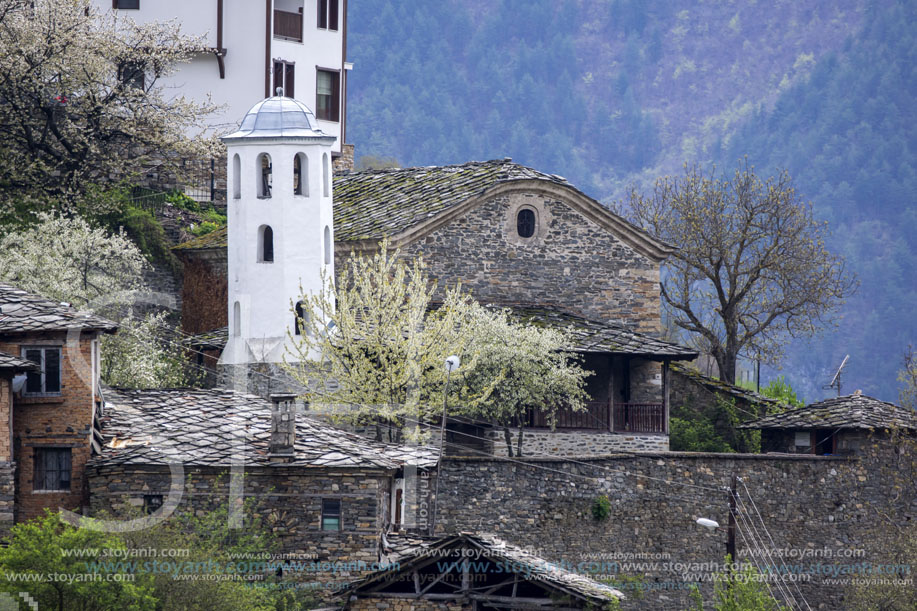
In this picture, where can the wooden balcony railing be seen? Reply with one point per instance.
(287, 25)
(627, 418)
(639, 418)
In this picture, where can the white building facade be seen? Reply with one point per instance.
(280, 241)
(253, 47)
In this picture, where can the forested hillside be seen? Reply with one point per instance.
(616, 92)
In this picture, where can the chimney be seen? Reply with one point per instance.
(283, 427)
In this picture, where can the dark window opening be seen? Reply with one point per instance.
(327, 95)
(47, 381)
(300, 320)
(125, 4)
(52, 469)
(824, 442)
(265, 178)
(151, 503)
(331, 514)
(267, 245)
(525, 223)
(328, 14)
(297, 174)
(284, 73)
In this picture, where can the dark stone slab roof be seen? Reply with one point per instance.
(596, 336)
(719, 386)
(588, 335)
(215, 339)
(407, 550)
(856, 411)
(206, 427)
(373, 204)
(8, 362)
(22, 312)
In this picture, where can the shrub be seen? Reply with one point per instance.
(601, 508)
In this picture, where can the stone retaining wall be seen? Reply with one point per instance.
(537, 442)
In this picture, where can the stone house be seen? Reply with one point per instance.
(50, 405)
(327, 493)
(514, 237)
(471, 571)
(836, 426)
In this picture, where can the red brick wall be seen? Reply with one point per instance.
(63, 421)
(203, 291)
(5, 406)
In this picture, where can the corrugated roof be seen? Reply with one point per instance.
(206, 427)
(854, 411)
(22, 312)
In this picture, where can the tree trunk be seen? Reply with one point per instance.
(509, 441)
(519, 447)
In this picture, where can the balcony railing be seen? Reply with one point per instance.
(288, 25)
(627, 418)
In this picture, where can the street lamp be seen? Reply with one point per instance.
(452, 363)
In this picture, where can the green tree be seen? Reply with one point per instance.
(751, 268)
(780, 389)
(83, 101)
(41, 548)
(744, 589)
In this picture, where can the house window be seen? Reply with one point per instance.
(301, 175)
(52, 469)
(48, 380)
(802, 443)
(263, 167)
(284, 77)
(236, 177)
(327, 98)
(151, 503)
(331, 514)
(328, 14)
(265, 244)
(132, 74)
(125, 4)
(525, 223)
(824, 442)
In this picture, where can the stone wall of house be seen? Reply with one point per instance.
(540, 442)
(343, 164)
(203, 292)
(570, 261)
(62, 421)
(812, 506)
(287, 499)
(6, 406)
(7, 496)
(404, 604)
(685, 391)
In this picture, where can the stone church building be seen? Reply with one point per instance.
(514, 236)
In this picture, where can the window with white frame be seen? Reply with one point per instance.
(47, 381)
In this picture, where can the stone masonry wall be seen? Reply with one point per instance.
(57, 421)
(288, 499)
(810, 505)
(576, 443)
(570, 262)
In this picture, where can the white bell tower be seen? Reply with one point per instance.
(280, 226)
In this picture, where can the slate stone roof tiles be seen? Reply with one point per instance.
(8, 363)
(207, 427)
(23, 312)
(719, 386)
(856, 411)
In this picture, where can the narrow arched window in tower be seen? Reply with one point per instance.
(326, 176)
(265, 244)
(236, 319)
(328, 245)
(236, 177)
(301, 319)
(525, 223)
(263, 167)
(301, 174)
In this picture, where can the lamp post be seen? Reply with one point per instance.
(452, 363)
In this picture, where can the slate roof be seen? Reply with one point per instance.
(373, 204)
(215, 339)
(8, 362)
(23, 312)
(595, 336)
(405, 550)
(205, 427)
(856, 411)
(719, 386)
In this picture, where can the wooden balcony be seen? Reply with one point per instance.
(288, 25)
(601, 416)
